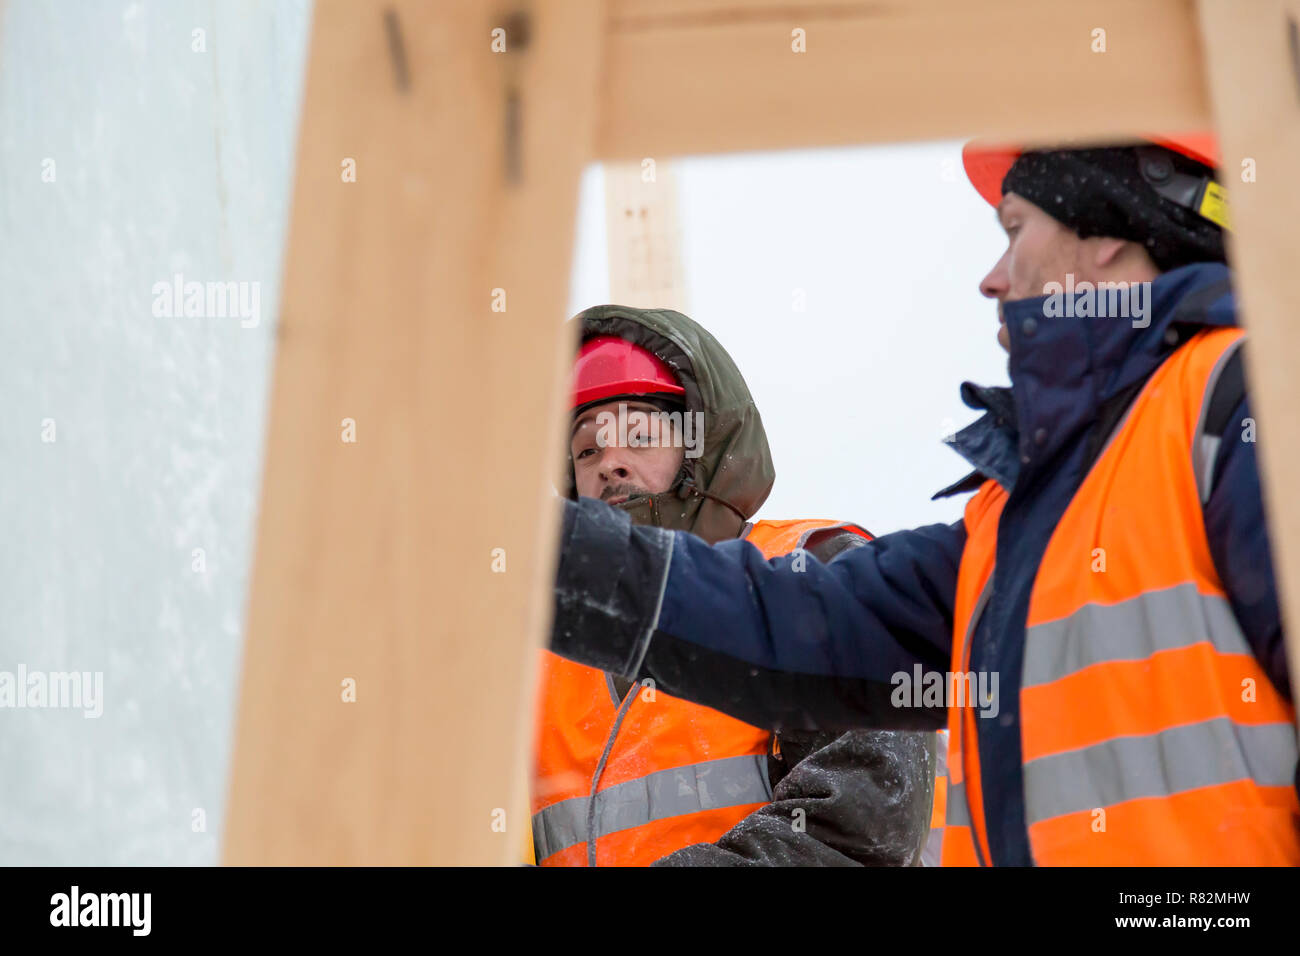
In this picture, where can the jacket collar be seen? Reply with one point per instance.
(1064, 369)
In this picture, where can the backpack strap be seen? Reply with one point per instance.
(1223, 393)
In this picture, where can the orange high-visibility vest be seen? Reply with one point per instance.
(674, 773)
(1150, 735)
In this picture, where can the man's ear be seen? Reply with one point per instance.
(1107, 251)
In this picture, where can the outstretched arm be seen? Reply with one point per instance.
(790, 644)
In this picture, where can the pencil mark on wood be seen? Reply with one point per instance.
(397, 49)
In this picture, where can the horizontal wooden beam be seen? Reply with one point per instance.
(703, 76)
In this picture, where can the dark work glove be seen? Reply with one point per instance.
(864, 799)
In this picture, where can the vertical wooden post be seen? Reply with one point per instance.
(1253, 68)
(422, 308)
(642, 235)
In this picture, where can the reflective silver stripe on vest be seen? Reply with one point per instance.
(709, 785)
(1216, 751)
(1131, 630)
(940, 753)
(956, 813)
(932, 854)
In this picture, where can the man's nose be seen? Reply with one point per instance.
(994, 285)
(613, 465)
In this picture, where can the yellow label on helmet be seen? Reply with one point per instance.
(1214, 205)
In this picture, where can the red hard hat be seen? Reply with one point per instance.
(987, 164)
(608, 366)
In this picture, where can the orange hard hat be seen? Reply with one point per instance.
(987, 164)
(608, 366)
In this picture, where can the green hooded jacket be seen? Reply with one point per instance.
(735, 466)
(866, 795)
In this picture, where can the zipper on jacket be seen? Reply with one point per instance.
(613, 692)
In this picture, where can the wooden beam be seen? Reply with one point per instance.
(375, 559)
(643, 236)
(1253, 61)
(702, 76)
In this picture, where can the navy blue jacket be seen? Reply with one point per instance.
(816, 648)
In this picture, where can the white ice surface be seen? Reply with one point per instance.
(166, 160)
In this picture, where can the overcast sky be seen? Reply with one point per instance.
(856, 392)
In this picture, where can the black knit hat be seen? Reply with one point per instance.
(1102, 192)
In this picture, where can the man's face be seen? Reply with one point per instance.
(605, 467)
(1039, 250)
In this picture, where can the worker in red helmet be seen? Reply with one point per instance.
(665, 430)
(1100, 633)
(617, 382)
